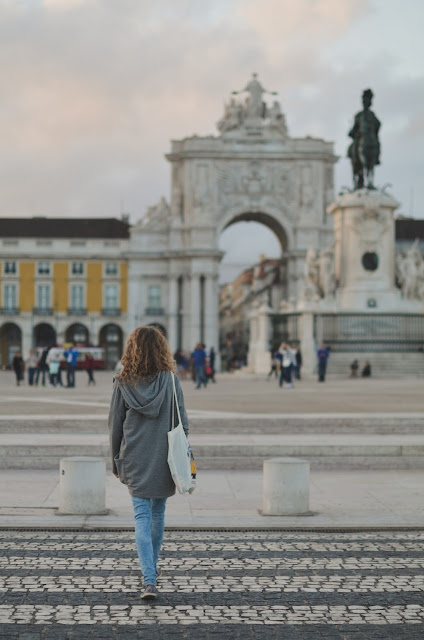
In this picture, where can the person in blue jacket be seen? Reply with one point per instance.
(323, 354)
(71, 357)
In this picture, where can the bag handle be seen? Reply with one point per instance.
(175, 400)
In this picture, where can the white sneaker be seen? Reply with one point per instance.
(289, 386)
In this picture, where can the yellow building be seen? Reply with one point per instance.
(63, 280)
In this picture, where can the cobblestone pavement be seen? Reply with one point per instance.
(254, 584)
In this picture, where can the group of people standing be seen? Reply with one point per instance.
(201, 364)
(47, 364)
(286, 364)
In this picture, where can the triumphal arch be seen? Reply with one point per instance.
(251, 170)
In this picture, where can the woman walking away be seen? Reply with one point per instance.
(139, 420)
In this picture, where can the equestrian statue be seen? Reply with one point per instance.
(364, 151)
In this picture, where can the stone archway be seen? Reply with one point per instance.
(273, 221)
(252, 170)
(77, 333)
(10, 342)
(44, 335)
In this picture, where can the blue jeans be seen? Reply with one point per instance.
(70, 375)
(322, 367)
(200, 376)
(149, 517)
(286, 375)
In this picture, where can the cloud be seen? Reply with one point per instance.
(93, 90)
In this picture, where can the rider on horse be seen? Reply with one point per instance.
(364, 151)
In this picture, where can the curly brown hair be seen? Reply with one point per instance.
(146, 353)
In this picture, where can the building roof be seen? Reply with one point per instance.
(64, 228)
(409, 229)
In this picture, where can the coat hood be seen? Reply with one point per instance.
(146, 396)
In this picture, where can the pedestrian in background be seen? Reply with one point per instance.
(180, 361)
(287, 360)
(323, 354)
(298, 362)
(139, 421)
(354, 368)
(199, 365)
(366, 371)
(71, 357)
(210, 372)
(42, 367)
(275, 364)
(89, 367)
(18, 366)
(31, 366)
(53, 363)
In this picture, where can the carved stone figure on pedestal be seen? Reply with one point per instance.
(232, 116)
(320, 278)
(255, 107)
(277, 119)
(327, 277)
(410, 273)
(364, 151)
(311, 289)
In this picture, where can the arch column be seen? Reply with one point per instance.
(211, 312)
(194, 310)
(135, 293)
(173, 313)
(27, 338)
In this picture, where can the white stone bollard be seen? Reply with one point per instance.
(82, 486)
(285, 487)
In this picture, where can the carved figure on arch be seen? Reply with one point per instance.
(277, 118)
(410, 273)
(255, 107)
(232, 118)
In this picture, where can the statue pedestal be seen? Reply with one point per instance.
(364, 231)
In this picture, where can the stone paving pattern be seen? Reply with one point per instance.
(59, 585)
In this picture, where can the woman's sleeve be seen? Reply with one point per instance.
(116, 419)
(180, 398)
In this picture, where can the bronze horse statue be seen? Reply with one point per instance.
(364, 152)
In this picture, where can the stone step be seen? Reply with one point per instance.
(228, 423)
(383, 365)
(325, 451)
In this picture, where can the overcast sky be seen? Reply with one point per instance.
(92, 91)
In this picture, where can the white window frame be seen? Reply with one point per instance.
(44, 262)
(111, 275)
(49, 296)
(6, 285)
(79, 274)
(150, 305)
(10, 273)
(84, 296)
(105, 297)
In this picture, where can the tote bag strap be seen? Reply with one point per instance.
(175, 402)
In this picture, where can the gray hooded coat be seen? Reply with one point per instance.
(139, 420)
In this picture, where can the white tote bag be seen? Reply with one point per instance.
(179, 452)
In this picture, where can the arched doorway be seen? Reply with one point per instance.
(111, 340)
(77, 333)
(10, 342)
(252, 273)
(44, 335)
